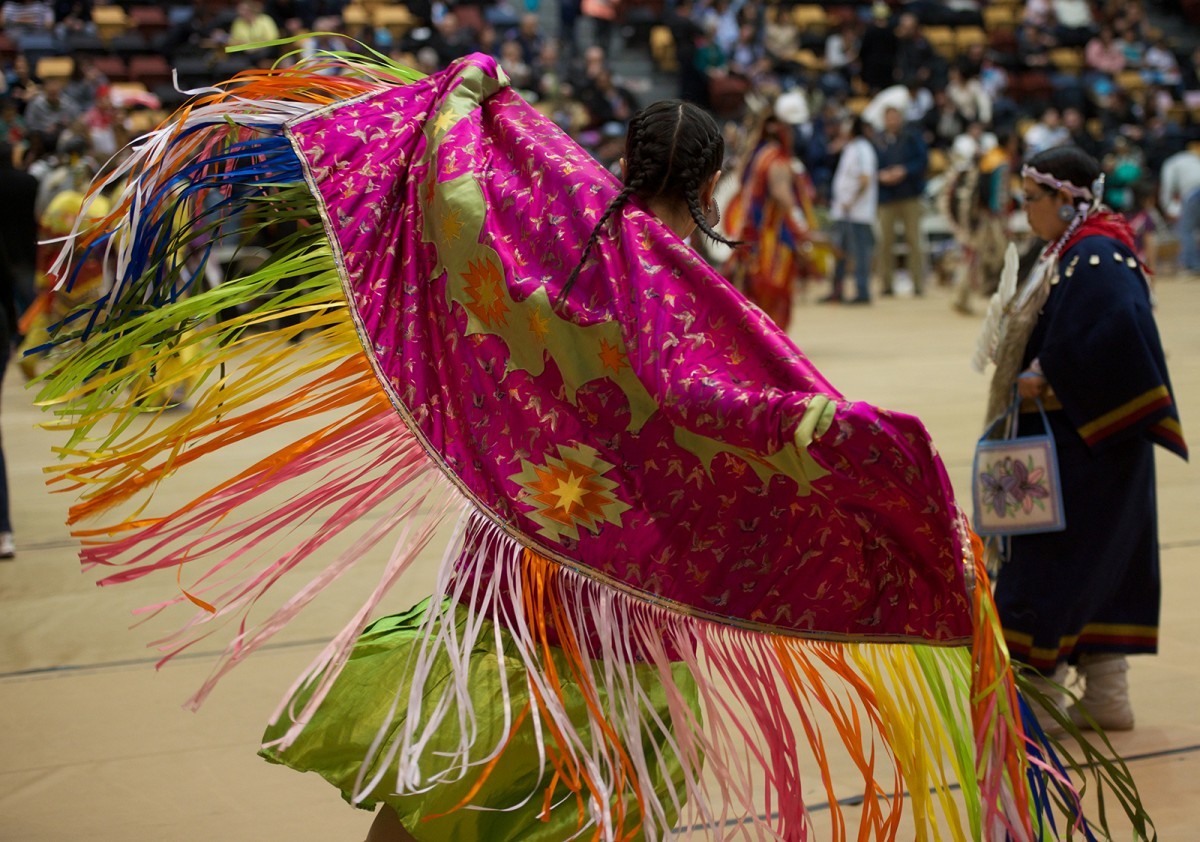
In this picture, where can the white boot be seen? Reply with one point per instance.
(1105, 693)
(1050, 686)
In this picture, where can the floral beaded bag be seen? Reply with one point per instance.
(1015, 482)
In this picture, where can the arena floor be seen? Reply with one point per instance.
(94, 743)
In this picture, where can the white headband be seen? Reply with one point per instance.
(1095, 194)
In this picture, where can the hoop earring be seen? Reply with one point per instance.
(1066, 213)
(712, 209)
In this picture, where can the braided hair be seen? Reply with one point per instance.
(671, 148)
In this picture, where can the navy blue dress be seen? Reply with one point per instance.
(1094, 587)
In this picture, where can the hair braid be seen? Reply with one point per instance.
(616, 204)
(634, 182)
(694, 176)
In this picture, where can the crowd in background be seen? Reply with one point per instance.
(976, 87)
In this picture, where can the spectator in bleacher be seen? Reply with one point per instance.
(1190, 72)
(903, 163)
(568, 20)
(1046, 133)
(21, 85)
(602, 14)
(687, 34)
(103, 123)
(548, 68)
(1079, 134)
(1131, 42)
(607, 102)
(781, 39)
(520, 74)
(943, 123)
(451, 39)
(193, 34)
(73, 16)
(1123, 169)
(1179, 198)
(50, 112)
(529, 37)
(12, 125)
(20, 16)
(1038, 13)
(878, 51)
(85, 83)
(287, 14)
(1075, 23)
(915, 57)
(18, 228)
(1144, 225)
(1159, 65)
(1105, 58)
(842, 51)
(251, 26)
(723, 15)
(1033, 47)
(748, 58)
(968, 95)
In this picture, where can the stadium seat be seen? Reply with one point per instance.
(966, 37)
(55, 67)
(36, 45)
(148, 20)
(110, 21)
(808, 18)
(396, 19)
(1067, 59)
(150, 69)
(662, 49)
(128, 43)
(113, 67)
(85, 43)
(941, 38)
(1000, 17)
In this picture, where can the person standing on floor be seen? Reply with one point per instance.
(1179, 198)
(903, 161)
(1079, 336)
(853, 206)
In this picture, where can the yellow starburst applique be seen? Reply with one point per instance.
(443, 121)
(452, 225)
(539, 325)
(485, 287)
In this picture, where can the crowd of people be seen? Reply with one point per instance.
(845, 133)
(943, 120)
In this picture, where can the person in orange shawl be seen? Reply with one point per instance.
(772, 215)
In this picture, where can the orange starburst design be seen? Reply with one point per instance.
(568, 492)
(485, 286)
(611, 357)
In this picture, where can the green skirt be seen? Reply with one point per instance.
(336, 741)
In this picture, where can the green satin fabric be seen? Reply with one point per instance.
(337, 739)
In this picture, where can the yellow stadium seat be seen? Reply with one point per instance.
(809, 18)
(55, 67)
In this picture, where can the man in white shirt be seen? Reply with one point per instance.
(854, 204)
(1179, 198)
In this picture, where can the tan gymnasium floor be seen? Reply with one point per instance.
(94, 743)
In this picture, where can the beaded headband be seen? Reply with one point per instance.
(1075, 190)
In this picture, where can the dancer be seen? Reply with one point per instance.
(773, 216)
(1081, 338)
(657, 495)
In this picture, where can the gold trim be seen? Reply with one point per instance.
(1127, 408)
